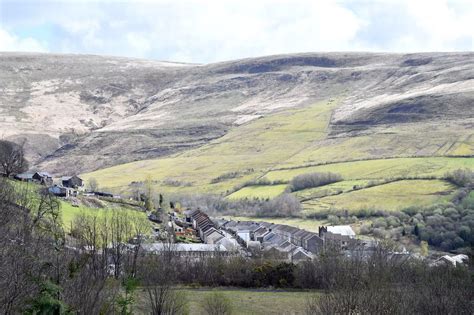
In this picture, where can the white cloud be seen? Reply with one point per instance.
(442, 25)
(209, 31)
(9, 42)
(139, 44)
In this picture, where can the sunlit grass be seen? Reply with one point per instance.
(391, 196)
(261, 191)
(382, 168)
(69, 213)
(260, 145)
(298, 138)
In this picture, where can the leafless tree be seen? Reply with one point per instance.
(159, 276)
(92, 184)
(12, 158)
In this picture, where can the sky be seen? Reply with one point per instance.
(204, 31)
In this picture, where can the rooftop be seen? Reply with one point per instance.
(181, 247)
(342, 230)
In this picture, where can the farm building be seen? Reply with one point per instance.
(62, 191)
(71, 181)
(24, 177)
(43, 178)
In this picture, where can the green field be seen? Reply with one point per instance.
(331, 189)
(69, 212)
(391, 196)
(260, 191)
(248, 302)
(382, 168)
(293, 142)
(260, 145)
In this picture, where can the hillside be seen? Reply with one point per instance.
(81, 113)
(212, 128)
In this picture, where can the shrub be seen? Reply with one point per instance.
(176, 183)
(312, 180)
(334, 220)
(461, 178)
(283, 205)
(231, 175)
(217, 304)
(365, 229)
(380, 223)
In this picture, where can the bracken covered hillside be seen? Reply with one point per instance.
(81, 113)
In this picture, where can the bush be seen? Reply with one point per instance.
(217, 304)
(176, 183)
(284, 205)
(365, 229)
(312, 180)
(231, 175)
(461, 178)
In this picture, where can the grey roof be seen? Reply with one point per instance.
(230, 224)
(209, 231)
(245, 235)
(206, 226)
(268, 235)
(285, 244)
(215, 236)
(285, 228)
(181, 247)
(69, 177)
(302, 234)
(24, 175)
(261, 231)
(290, 248)
(44, 174)
(310, 235)
(219, 222)
(274, 239)
(342, 230)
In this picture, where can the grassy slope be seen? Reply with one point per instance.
(382, 168)
(390, 196)
(281, 146)
(260, 191)
(261, 145)
(68, 212)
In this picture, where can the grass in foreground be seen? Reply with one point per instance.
(249, 301)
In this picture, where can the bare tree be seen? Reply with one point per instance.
(159, 274)
(149, 194)
(92, 184)
(12, 158)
